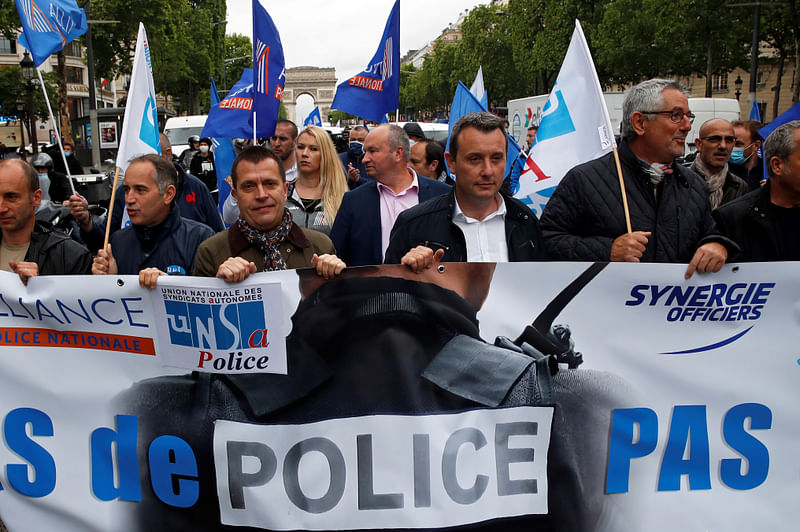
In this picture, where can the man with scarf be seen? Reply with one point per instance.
(263, 238)
(670, 216)
(714, 146)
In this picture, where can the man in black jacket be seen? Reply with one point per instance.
(670, 215)
(27, 247)
(766, 222)
(474, 222)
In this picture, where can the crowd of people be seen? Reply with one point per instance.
(390, 199)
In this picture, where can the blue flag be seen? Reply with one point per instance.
(792, 113)
(233, 116)
(375, 91)
(313, 118)
(755, 112)
(48, 25)
(224, 154)
(269, 75)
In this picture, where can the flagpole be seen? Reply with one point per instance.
(55, 128)
(111, 209)
(596, 80)
(622, 190)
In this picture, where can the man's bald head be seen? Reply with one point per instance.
(715, 143)
(714, 123)
(166, 147)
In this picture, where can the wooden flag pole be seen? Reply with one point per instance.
(111, 209)
(622, 190)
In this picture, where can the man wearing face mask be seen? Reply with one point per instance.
(53, 184)
(744, 160)
(202, 165)
(75, 167)
(351, 159)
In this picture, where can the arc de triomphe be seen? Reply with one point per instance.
(319, 83)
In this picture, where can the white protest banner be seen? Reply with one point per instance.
(673, 406)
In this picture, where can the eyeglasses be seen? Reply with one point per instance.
(716, 139)
(676, 115)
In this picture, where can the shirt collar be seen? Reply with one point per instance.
(414, 184)
(458, 214)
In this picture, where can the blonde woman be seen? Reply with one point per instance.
(315, 196)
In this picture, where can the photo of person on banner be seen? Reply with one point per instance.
(385, 340)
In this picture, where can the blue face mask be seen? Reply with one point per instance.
(737, 156)
(356, 149)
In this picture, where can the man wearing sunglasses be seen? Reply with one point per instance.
(714, 146)
(670, 216)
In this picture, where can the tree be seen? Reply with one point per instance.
(527, 22)
(13, 88)
(649, 38)
(486, 42)
(186, 42)
(238, 56)
(779, 29)
(9, 20)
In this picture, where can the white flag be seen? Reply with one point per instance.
(574, 127)
(479, 90)
(140, 126)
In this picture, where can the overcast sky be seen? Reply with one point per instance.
(344, 33)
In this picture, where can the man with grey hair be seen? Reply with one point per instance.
(159, 241)
(670, 216)
(474, 222)
(766, 222)
(714, 145)
(361, 230)
(192, 199)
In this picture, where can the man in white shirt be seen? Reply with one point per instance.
(474, 223)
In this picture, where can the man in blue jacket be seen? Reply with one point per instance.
(192, 199)
(158, 239)
(367, 214)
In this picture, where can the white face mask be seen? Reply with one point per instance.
(203, 149)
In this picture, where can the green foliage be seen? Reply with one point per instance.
(701, 37)
(238, 56)
(9, 19)
(14, 88)
(186, 45)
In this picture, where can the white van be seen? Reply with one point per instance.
(180, 128)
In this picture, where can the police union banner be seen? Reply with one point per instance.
(553, 396)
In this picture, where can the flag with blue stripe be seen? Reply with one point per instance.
(233, 116)
(48, 25)
(375, 91)
(140, 124)
(269, 75)
(574, 127)
(224, 154)
(313, 118)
